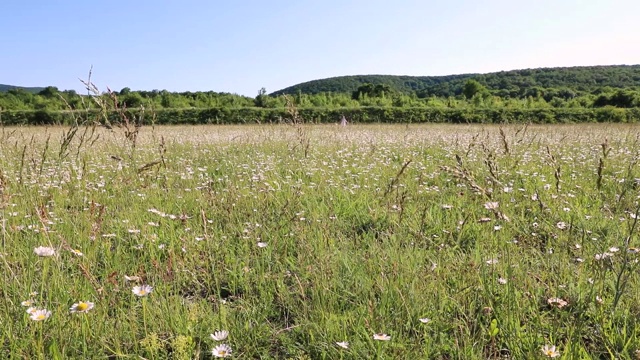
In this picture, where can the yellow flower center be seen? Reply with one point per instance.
(222, 352)
(40, 317)
(82, 306)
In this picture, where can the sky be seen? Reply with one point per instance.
(242, 46)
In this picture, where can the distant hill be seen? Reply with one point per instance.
(35, 90)
(580, 79)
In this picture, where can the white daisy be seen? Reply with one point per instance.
(40, 314)
(220, 335)
(222, 351)
(81, 307)
(550, 351)
(142, 290)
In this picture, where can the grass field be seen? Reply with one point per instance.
(406, 241)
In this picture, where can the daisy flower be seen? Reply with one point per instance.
(220, 335)
(142, 290)
(222, 351)
(27, 303)
(40, 314)
(343, 344)
(425, 320)
(81, 307)
(382, 337)
(550, 351)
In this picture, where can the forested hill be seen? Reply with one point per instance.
(579, 79)
(4, 88)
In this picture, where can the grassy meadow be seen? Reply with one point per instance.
(320, 242)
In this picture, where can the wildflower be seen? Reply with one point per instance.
(27, 302)
(343, 344)
(447, 207)
(484, 220)
(599, 300)
(220, 335)
(132, 278)
(579, 260)
(614, 249)
(497, 227)
(76, 252)
(40, 314)
(222, 351)
(425, 320)
(31, 310)
(550, 351)
(557, 302)
(262, 244)
(81, 307)
(633, 250)
(502, 281)
(382, 337)
(561, 225)
(492, 261)
(142, 290)
(44, 251)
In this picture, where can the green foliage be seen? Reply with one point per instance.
(472, 88)
(370, 90)
(513, 83)
(366, 114)
(537, 95)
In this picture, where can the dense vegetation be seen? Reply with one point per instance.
(320, 242)
(516, 83)
(599, 93)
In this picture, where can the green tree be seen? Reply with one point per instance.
(472, 87)
(261, 99)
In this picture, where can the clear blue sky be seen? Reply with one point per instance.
(241, 46)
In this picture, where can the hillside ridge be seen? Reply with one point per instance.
(582, 78)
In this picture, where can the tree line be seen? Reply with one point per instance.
(553, 90)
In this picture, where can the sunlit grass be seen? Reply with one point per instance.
(389, 242)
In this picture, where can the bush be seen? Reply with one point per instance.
(372, 114)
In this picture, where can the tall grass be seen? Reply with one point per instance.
(458, 242)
